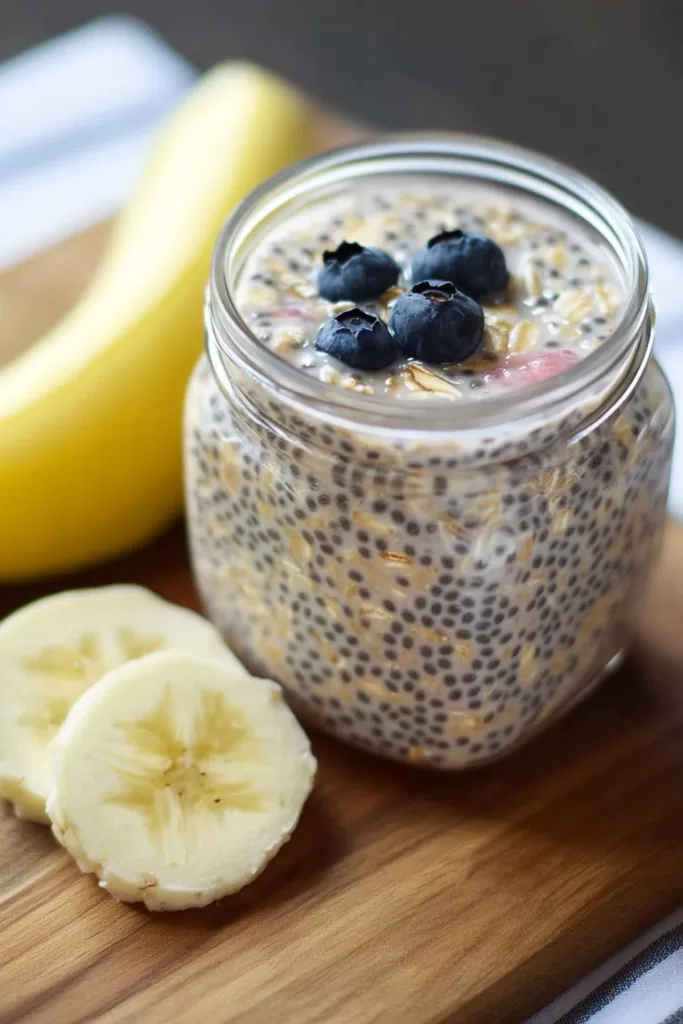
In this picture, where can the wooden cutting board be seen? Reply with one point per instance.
(404, 896)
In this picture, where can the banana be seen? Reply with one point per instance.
(51, 651)
(176, 780)
(90, 416)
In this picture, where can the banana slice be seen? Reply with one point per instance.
(176, 779)
(51, 651)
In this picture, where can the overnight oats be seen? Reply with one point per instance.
(427, 454)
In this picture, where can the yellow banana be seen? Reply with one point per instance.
(90, 416)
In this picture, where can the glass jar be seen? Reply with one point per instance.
(433, 588)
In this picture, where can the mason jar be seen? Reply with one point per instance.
(433, 582)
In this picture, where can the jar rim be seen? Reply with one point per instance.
(458, 155)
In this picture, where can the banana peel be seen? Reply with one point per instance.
(90, 416)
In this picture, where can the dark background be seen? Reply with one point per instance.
(598, 83)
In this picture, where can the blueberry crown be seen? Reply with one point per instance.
(444, 236)
(357, 319)
(438, 291)
(343, 252)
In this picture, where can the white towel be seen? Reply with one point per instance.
(77, 115)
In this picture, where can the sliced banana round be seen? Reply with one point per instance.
(51, 651)
(176, 779)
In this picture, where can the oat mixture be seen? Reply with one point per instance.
(424, 605)
(562, 299)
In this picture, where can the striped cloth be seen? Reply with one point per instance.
(642, 984)
(76, 119)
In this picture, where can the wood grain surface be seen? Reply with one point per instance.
(404, 896)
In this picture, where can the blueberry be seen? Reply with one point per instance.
(436, 323)
(358, 339)
(356, 273)
(473, 263)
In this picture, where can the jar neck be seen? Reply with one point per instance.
(263, 407)
(251, 366)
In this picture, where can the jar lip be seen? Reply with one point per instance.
(460, 155)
